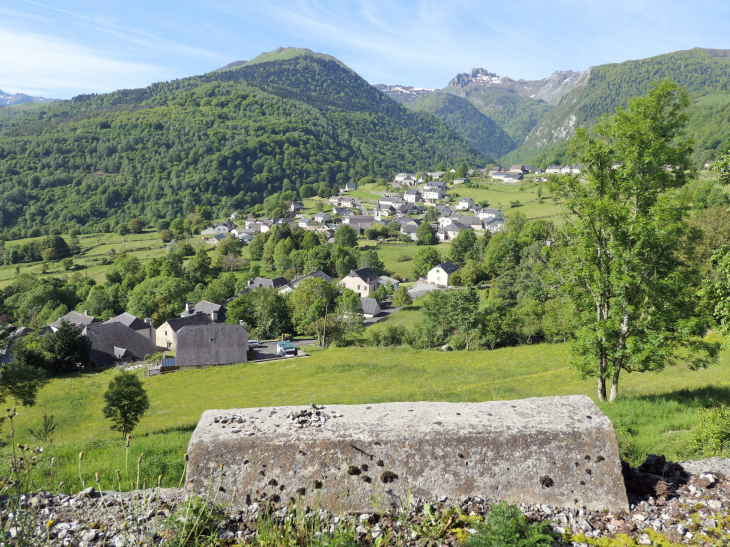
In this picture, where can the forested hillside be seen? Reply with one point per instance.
(226, 139)
(459, 114)
(702, 72)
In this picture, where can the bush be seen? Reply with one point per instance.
(515, 203)
(506, 525)
(711, 436)
(403, 258)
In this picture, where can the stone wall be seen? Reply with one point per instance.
(558, 451)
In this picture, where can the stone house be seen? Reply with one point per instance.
(201, 346)
(76, 319)
(144, 328)
(167, 332)
(113, 343)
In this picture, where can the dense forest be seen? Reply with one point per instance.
(462, 116)
(225, 140)
(704, 73)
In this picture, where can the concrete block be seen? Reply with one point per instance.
(559, 451)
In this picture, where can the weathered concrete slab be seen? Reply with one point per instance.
(559, 451)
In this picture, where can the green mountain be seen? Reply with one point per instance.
(461, 115)
(226, 140)
(705, 73)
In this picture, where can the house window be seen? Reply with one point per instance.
(212, 338)
(358, 287)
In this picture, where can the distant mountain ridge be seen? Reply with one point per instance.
(403, 93)
(7, 99)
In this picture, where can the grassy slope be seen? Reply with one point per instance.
(94, 247)
(651, 406)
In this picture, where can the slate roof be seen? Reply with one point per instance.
(317, 273)
(176, 323)
(211, 345)
(263, 282)
(448, 267)
(134, 323)
(208, 307)
(366, 274)
(113, 341)
(370, 306)
(75, 318)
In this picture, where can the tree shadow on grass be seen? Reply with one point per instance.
(703, 397)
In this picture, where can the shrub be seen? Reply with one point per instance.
(403, 258)
(506, 525)
(711, 436)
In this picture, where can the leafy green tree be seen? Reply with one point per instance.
(264, 313)
(256, 246)
(165, 236)
(425, 259)
(160, 298)
(122, 229)
(401, 297)
(309, 241)
(346, 236)
(431, 216)
(230, 245)
(464, 247)
(135, 225)
(462, 308)
(426, 235)
(126, 402)
(67, 349)
(308, 293)
(349, 314)
(472, 272)
(199, 268)
(617, 262)
(221, 289)
(370, 259)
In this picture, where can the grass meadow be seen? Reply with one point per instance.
(654, 412)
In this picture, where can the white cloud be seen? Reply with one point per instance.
(46, 65)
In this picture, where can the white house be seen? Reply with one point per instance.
(490, 214)
(494, 225)
(304, 222)
(433, 194)
(554, 170)
(296, 206)
(441, 274)
(322, 217)
(412, 196)
(464, 204)
(349, 202)
(370, 307)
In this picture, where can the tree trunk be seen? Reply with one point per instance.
(601, 389)
(614, 384)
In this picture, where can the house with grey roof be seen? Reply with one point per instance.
(167, 332)
(318, 274)
(296, 206)
(362, 281)
(370, 307)
(266, 283)
(139, 326)
(441, 274)
(201, 346)
(464, 203)
(412, 196)
(487, 214)
(217, 312)
(494, 225)
(114, 343)
(322, 217)
(75, 318)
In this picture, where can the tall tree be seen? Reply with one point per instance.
(462, 307)
(426, 235)
(617, 261)
(68, 350)
(126, 402)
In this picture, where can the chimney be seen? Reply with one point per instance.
(148, 320)
(214, 316)
(240, 322)
(188, 308)
(86, 312)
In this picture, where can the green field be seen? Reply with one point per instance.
(390, 252)
(500, 196)
(94, 247)
(655, 409)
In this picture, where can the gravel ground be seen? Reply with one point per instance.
(685, 504)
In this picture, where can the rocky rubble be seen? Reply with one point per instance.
(667, 504)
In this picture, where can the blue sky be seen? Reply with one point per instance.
(60, 48)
